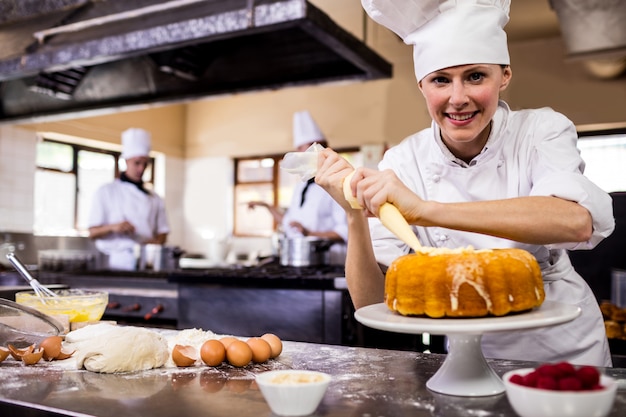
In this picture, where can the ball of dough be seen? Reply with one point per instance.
(109, 348)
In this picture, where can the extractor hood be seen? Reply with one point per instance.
(61, 58)
(594, 32)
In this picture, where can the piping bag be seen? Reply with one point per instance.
(304, 164)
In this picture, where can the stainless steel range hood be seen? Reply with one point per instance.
(61, 58)
(595, 33)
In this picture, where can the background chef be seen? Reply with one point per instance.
(311, 212)
(124, 212)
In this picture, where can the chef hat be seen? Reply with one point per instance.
(135, 142)
(305, 130)
(446, 33)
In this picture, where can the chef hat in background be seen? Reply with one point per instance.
(446, 33)
(305, 130)
(135, 142)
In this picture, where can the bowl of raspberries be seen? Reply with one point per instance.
(560, 390)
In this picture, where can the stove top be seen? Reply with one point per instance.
(275, 270)
(270, 274)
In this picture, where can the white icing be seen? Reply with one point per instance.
(470, 273)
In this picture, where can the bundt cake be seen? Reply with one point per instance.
(439, 282)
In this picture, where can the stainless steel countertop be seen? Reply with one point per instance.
(366, 382)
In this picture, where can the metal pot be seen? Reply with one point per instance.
(305, 251)
(157, 257)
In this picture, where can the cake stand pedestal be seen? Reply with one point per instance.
(465, 372)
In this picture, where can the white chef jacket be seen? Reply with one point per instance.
(121, 201)
(321, 213)
(528, 153)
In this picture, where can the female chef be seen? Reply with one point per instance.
(481, 175)
(125, 213)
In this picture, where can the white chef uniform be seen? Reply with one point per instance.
(319, 211)
(122, 201)
(528, 153)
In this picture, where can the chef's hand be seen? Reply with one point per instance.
(299, 228)
(157, 240)
(124, 227)
(331, 170)
(254, 204)
(373, 188)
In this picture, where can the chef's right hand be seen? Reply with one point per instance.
(331, 171)
(254, 204)
(124, 227)
(370, 187)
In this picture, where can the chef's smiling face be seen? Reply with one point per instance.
(135, 167)
(462, 101)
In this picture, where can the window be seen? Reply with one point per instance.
(260, 179)
(604, 154)
(66, 178)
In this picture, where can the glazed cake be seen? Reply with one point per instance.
(439, 282)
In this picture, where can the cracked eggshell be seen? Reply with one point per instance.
(184, 355)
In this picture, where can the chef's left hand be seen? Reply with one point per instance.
(299, 227)
(373, 188)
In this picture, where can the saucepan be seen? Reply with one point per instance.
(157, 257)
(305, 251)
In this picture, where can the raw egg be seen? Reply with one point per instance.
(261, 350)
(212, 352)
(275, 344)
(226, 341)
(184, 355)
(238, 353)
(51, 347)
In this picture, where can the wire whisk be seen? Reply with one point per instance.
(41, 291)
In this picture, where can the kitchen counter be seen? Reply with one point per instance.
(242, 300)
(365, 382)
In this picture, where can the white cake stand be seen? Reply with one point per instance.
(465, 372)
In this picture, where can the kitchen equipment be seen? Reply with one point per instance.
(69, 260)
(41, 291)
(22, 326)
(150, 298)
(77, 304)
(157, 257)
(618, 287)
(305, 251)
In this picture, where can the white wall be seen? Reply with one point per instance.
(17, 179)
(171, 171)
(207, 202)
(208, 209)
